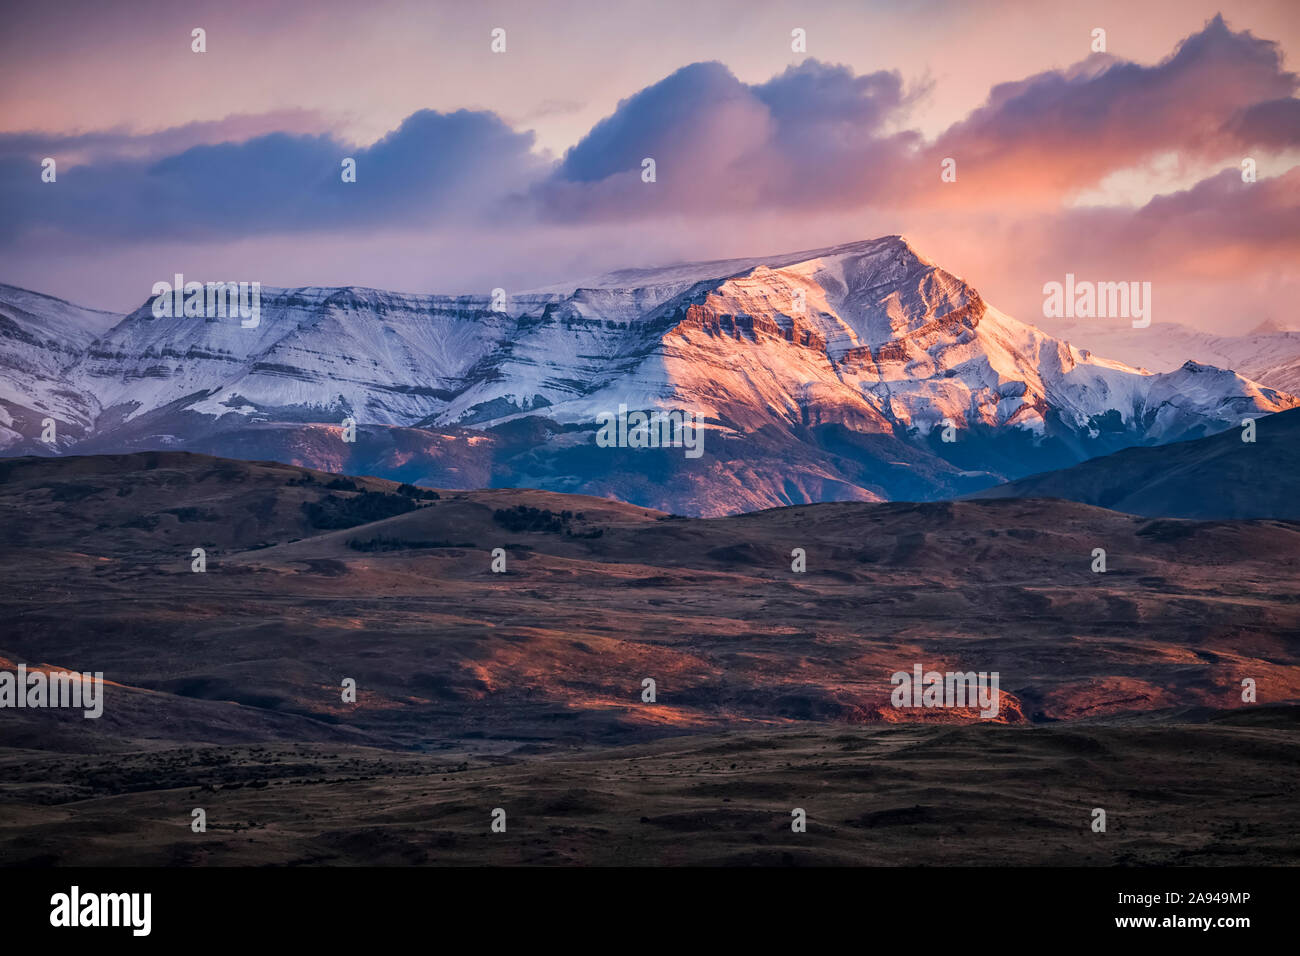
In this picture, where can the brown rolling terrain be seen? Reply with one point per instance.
(233, 676)
(1217, 793)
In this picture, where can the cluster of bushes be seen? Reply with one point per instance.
(523, 518)
(347, 484)
(542, 520)
(336, 511)
(420, 494)
(187, 514)
(384, 543)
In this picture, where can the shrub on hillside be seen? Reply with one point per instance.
(338, 511)
(523, 518)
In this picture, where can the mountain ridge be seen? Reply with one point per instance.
(1268, 354)
(1219, 477)
(818, 376)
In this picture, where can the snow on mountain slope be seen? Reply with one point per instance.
(846, 360)
(1268, 355)
(317, 354)
(874, 335)
(40, 336)
(55, 318)
(869, 334)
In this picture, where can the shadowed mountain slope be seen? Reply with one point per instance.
(1217, 477)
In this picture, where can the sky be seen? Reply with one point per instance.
(479, 169)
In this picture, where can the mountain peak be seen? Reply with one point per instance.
(1273, 327)
(823, 374)
(686, 273)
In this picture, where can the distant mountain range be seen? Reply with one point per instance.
(822, 376)
(1269, 354)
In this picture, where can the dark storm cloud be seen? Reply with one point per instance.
(810, 136)
(1274, 124)
(452, 166)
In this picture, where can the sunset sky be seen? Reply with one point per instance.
(478, 169)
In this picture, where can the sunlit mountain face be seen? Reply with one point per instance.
(860, 372)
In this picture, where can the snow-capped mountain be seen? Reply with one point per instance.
(858, 371)
(41, 339)
(1269, 354)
